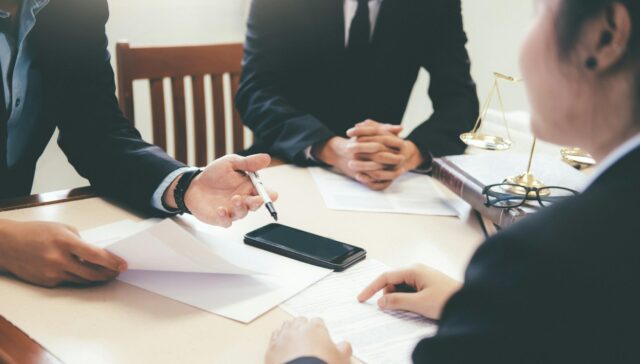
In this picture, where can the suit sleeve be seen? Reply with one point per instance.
(99, 142)
(501, 298)
(286, 130)
(452, 90)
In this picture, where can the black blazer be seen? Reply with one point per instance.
(78, 93)
(558, 287)
(297, 89)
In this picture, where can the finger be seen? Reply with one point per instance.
(286, 325)
(299, 321)
(373, 177)
(387, 279)
(223, 217)
(384, 175)
(391, 141)
(362, 131)
(369, 122)
(251, 163)
(72, 278)
(273, 194)
(367, 148)
(96, 255)
(372, 183)
(317, 321)
(389, 289)
(274, 335)
(253, 203)
(73, 230)
(372, 130)
(240, 210)
(364, 166)
(345, 350)
(388, 158)
(89, 272)
(378, 186)
(400, 301)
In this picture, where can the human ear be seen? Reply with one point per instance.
(605, 38)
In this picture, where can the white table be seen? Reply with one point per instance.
(118, 323)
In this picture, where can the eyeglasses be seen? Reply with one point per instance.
(507, 195)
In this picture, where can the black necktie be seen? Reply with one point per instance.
(360, 31)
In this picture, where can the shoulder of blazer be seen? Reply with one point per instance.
(70, 33)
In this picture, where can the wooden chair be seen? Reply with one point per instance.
(156, 64)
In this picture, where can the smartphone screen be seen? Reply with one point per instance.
(318, 247)
(314, 245)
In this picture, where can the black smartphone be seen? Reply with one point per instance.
(305, 247)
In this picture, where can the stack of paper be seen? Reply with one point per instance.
(376, 336)
(412, 193)
(203, 267)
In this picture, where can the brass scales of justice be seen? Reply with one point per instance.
(574, 156)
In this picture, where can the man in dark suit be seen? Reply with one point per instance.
(317, 72)
(55, 72)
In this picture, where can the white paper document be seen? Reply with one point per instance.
(204, 267)
(412, 193)
(376, 336)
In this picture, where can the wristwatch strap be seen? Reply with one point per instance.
(181, 190)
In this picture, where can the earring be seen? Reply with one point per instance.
(591, 63)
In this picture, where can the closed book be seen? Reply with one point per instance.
(467, 175)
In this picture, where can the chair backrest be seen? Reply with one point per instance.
(156, 64)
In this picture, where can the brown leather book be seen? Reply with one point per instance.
(470, 190)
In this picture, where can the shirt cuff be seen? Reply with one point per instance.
(308, 155)
(426, 167)
(310, 158)
(156, 199)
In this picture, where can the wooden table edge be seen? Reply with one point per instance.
(48, 198)
(17, 347)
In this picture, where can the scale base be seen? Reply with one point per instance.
(483, 141)
(527, 180)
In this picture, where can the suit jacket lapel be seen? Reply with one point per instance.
(330, 22)
(391, 19)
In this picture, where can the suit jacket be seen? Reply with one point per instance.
(70, 58)
(298, 87)
(558, 287)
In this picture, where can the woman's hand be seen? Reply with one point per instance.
(305, 338)
(50, 254)
(433, 290)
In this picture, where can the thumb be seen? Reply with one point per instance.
(345, 350)
(252, 163)
(400, 301)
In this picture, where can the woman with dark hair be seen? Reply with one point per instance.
(559, 287)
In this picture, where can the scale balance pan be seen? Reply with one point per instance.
(483, 141)
(577, 157)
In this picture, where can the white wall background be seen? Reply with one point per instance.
(495, 29)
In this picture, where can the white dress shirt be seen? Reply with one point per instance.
(350, 8)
